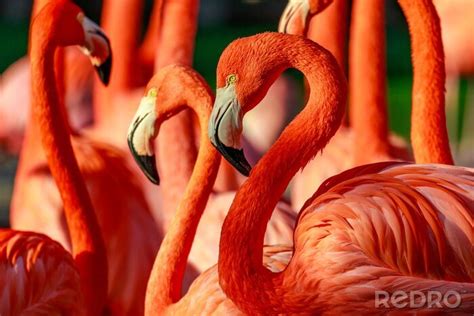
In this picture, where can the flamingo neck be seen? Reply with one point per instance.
(164, 285)
(149, 45)
(429, 135)
(176, 46)
(329, 29)
(121, 20)
(367, 80)
(88, 248)
(254, 289)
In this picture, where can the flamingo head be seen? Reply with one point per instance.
(294, 19)
(141, 134)
(97, 47)
(170, 91)
(243, 81)
(67, 26)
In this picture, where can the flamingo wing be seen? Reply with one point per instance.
(38, 276)
(387, 227)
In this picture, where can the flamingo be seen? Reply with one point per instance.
(37, 274)
(388, 226)
(124, 216)
(14, 107)
(171, 90)
(79, 82)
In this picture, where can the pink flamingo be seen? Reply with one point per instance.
(114, 189)
(173, 89)
(381, 227)
(14, 106)
(38, 276)
(170, 91)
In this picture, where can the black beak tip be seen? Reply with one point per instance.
(147, 164)
(104, 70)
(235, 156)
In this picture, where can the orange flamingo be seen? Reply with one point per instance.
(123, 214)
(38, 276)
(14, 107)
(171, 90)
(382, 227)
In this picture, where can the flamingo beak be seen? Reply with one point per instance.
(294, 17)
(97, 47)
(225, 128)
(141, 134)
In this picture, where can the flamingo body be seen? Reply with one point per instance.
(15, 95)
(38, 276)
(386, 226)
(127, 225)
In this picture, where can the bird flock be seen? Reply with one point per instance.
(134, 194)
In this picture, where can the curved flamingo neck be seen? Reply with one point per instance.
(429, 135)
(87, 245)
(121, 20)
(242, 276)
(176, 46)
(367, 80)
(164, 285)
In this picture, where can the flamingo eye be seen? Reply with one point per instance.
(231, 79)
(152, 93)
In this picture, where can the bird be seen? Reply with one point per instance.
(38, 275)
(387, 226)
(172, 89)
(14, 107)
(124, 216)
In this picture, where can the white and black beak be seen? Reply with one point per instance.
(97, 47)
(225, 128)
(141, 134)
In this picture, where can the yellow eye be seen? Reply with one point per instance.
(152, 93)
(231, 79)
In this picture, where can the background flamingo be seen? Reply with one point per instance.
(14, 106)
(386, 226)
(458, 44)
(54, 282)
(367, 103)
(123, 213)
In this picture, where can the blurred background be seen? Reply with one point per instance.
(221, 21)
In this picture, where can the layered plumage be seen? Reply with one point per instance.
(38, 276)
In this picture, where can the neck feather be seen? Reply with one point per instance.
(429, 135)
(240, 254)
(87, 244)
(164, 285)
(367, 80)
